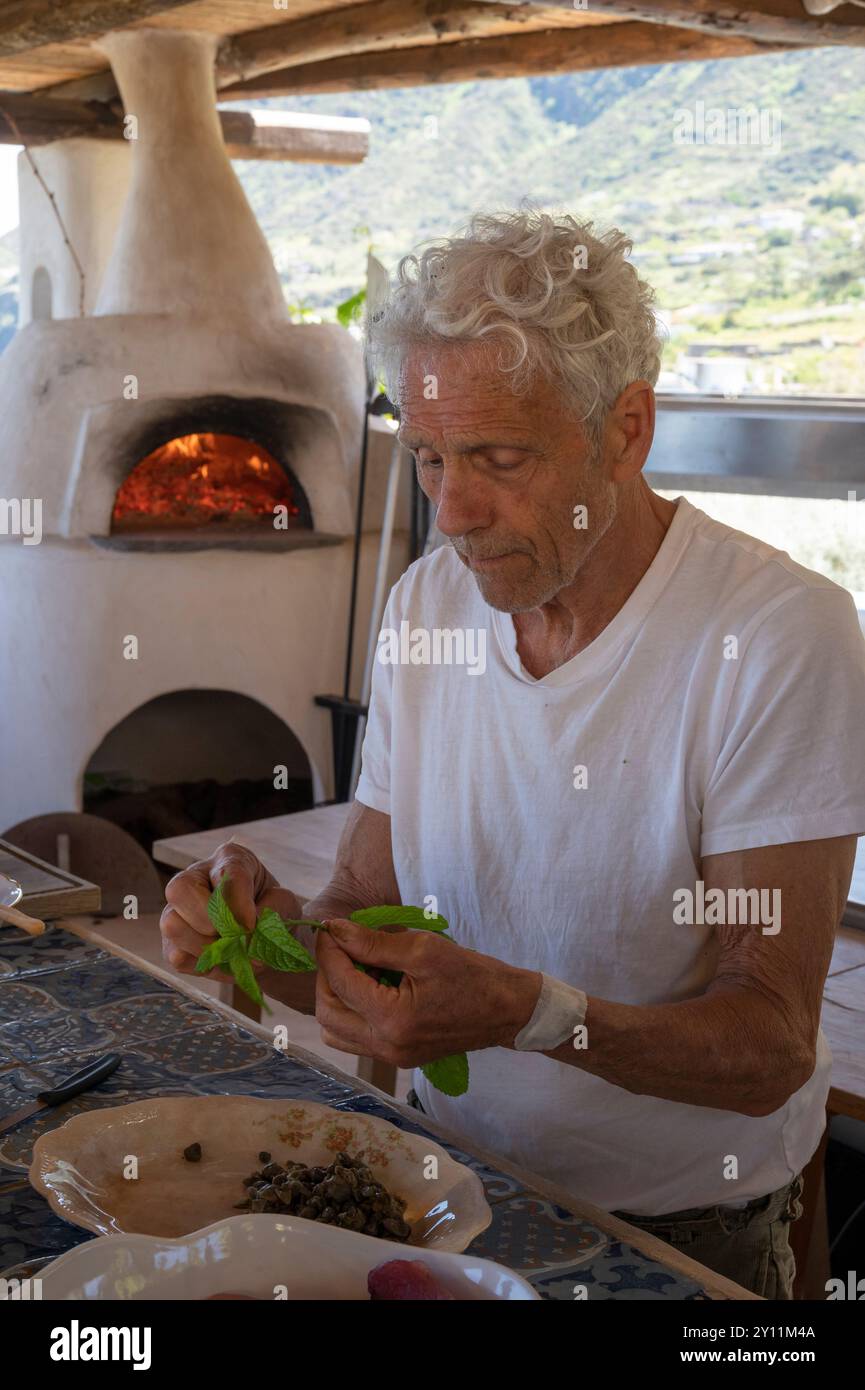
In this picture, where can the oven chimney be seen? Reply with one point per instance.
(188, 243)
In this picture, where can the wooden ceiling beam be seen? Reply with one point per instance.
(26, 24)
(295, 138)
(36, 120)
(375, 26)
(764, 21)
(253, 63)
(522, 55)
(32, 120)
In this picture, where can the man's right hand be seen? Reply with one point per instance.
(185, 926)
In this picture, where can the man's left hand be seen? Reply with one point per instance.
(449, 999)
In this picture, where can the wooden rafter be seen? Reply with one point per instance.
(764, 21)
(535, 54)
(408, 33)
(26, 24)
(37, 120)
(372, 26)
(32, 120)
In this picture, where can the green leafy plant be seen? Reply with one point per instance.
(273, 944)
(350, 310)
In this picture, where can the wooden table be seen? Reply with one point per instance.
(300, 849)
(69, 998)
(844, 1023)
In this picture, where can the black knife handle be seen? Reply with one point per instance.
(82, 1080)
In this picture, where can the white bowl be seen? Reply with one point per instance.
(85, 1167)
(11, 891)
(264, 1257)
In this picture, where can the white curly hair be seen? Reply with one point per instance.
(551, 295)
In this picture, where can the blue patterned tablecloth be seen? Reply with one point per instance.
(63, 999)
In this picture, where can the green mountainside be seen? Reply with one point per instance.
(751, 247)
(778, 227)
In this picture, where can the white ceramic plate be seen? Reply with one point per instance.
(121, 1169)
(256, 1255)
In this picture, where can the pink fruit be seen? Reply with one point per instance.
(405, 1279)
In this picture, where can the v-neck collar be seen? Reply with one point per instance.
(629, 617)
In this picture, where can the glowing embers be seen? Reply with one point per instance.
(206, 480)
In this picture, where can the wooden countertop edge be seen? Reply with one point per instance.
(851, 1104)
(716, 1285)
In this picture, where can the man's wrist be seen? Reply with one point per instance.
(521, 989)
(560, 1009)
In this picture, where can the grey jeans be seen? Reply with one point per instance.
(750, 1245)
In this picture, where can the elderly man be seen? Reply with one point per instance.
(668, 714)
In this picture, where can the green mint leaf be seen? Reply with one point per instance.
(271, 925)
(221, 915)
(272, 934)
(449, 1074)
(401, 916)
(215, 954)
(238, 963)
(273, 944)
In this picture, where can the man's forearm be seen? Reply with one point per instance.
(730, 1050)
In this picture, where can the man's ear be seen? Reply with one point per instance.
(629, 431)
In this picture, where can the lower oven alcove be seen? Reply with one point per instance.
(196, 760)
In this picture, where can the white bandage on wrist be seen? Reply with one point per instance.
(559, 1010)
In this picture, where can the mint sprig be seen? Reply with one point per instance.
(399, 917)
(449, 1074)
(272, 943)
(217, 953)
(223, 919)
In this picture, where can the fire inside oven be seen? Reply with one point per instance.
(206, 480)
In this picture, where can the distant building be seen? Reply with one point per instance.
(708, 251)
(781, 219)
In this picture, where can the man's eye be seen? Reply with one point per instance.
(432, 462)
(505, 461)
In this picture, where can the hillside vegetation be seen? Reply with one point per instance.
(754, 245)
(756, 251)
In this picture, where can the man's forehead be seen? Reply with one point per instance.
(468, 436)
(466, 417)
(448, 368)
(468, 409)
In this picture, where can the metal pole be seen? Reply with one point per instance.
(355, 559)
(378, 601)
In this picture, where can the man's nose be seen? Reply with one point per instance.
(461, 505)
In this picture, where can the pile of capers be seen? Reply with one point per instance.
(343, 1194)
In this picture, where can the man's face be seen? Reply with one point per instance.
(505, 473)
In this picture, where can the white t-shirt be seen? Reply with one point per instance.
(690, 749)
